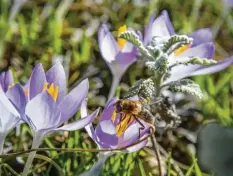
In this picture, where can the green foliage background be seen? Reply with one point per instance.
(29, 39)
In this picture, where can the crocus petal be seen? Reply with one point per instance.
(7, 119)
(205, 50)
(126, 59)
(17, 97)
(37, 81)
(89, 128)
(148, 33)
(108, 110)
(79, 123)
(131, 135)
(8, 105)
(168, 22)
(106, 134)
(72, 102)
(160, 27)
(43, 111)
(9, 116)
(136, 147)
(182, 71)
(103, 30)
(56, 75)
(214, 68)
(108, 45)
(201, 36)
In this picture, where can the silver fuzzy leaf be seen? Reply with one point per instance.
(186, 86)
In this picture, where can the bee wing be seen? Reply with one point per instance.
(124, 123)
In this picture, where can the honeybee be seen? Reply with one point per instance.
(130, 110)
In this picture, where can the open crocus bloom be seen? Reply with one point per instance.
(48, 105)
(201, 47)
(12, 108)
(120, 54)
(111, 133)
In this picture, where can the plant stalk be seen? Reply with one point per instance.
(35, 144)
(115, 83)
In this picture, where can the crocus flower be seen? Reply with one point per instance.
(119, 55)
(49, 107)
(201, 47)
(12, 104)
(113, 133)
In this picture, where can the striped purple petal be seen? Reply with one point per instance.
(43, 112)
(201, 36)
(72, 102)
(17, 97)
(56, 75)
(106, 134)
(37, 81)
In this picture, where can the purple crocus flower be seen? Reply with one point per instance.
(48, 106)
(119, 55)
(109, 135)
(201, 47)
(12, 104)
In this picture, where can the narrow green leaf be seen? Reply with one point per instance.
(141, 167)
(190, 170)
(60, 172)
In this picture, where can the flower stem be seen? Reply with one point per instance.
(96, 168)
(35, 144)
(154, 143)
(115, 83)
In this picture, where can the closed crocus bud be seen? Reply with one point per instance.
(118, 54)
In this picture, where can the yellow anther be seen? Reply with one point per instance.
(121, 42)
(10, 86)
(25, 92)
(45, 86)
(52, 90)
(181, 49)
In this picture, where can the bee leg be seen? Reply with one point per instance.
(141, 124)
